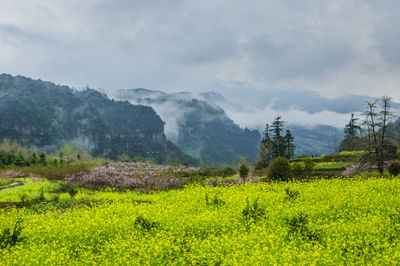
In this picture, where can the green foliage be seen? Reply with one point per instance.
(291, 195)
(394, 168)
(42, 158)
(9, 238)
(280, 169)
(214, 201)
(145, 223)
(298, 228)
(34, 112)
(58, 172)
(244, 171)
(253, 212)
(297, 169)
(72, 191)
(275, 144)
(24, 197)
(308, 165)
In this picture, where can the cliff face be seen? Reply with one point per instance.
(199, 126)
(34, 112)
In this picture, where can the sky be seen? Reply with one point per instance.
(332, 47)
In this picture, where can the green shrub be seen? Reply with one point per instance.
(280, 169)
(145, 223)
(308, 165)
(227, 171)
(57, 172)
(394, 168)
(72, 191)
(291, 195)
(244, 171)
(8, 239)
(297, 169)
(298, 228)
(252, 213)
(215, 201)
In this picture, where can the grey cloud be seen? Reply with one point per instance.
(192, 45)
(303, 55)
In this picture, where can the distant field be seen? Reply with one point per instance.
(338, 221)
(332, 165)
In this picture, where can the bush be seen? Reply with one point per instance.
(58, 172)
(8, 239)
(280, 169)
(297, 169)
(298, 228)
(145, 223)
(394, 168)
(215, 201)
(243, 171)
(308, 165)
(252, 213)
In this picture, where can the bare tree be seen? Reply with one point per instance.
(379, 149)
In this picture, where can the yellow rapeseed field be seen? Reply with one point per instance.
(326, 222)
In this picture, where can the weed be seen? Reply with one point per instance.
(24, 197)
(252, 213)
(8, 239)
(291, 195)
(215, 201)
(145, 223)
(298, 227)
(72, 191)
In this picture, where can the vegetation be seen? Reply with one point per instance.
(338, 221)
(274, 144)
(394, 168)
(204, 130)
(280, 169)
(244, 171)
(45, 115)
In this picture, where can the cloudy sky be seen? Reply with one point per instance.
(332, 47)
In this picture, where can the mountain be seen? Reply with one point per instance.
(188, 119)
(35, 112)
(198, 126)
(317, 140)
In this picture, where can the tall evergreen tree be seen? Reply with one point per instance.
(289, 139)
(352, 140)
(279, 145)
(274, 144)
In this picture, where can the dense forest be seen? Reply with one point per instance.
(202, 128)
(46, 115)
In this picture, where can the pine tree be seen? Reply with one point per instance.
(278, 141)
(289, 139)
(275, 145)
(351, 141)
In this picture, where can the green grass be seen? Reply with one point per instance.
(332, 165)
(327, 222)
(57, 172)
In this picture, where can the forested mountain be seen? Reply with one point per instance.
(316, 140)
(200, 128)
(34, 112)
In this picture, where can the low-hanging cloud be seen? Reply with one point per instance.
(331, 47)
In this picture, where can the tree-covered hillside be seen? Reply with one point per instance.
(200, 128)
(34, 112)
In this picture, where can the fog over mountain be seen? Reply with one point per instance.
(199, 127)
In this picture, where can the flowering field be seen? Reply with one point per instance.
(321, 222)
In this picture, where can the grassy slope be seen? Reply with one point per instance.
(355, 220)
